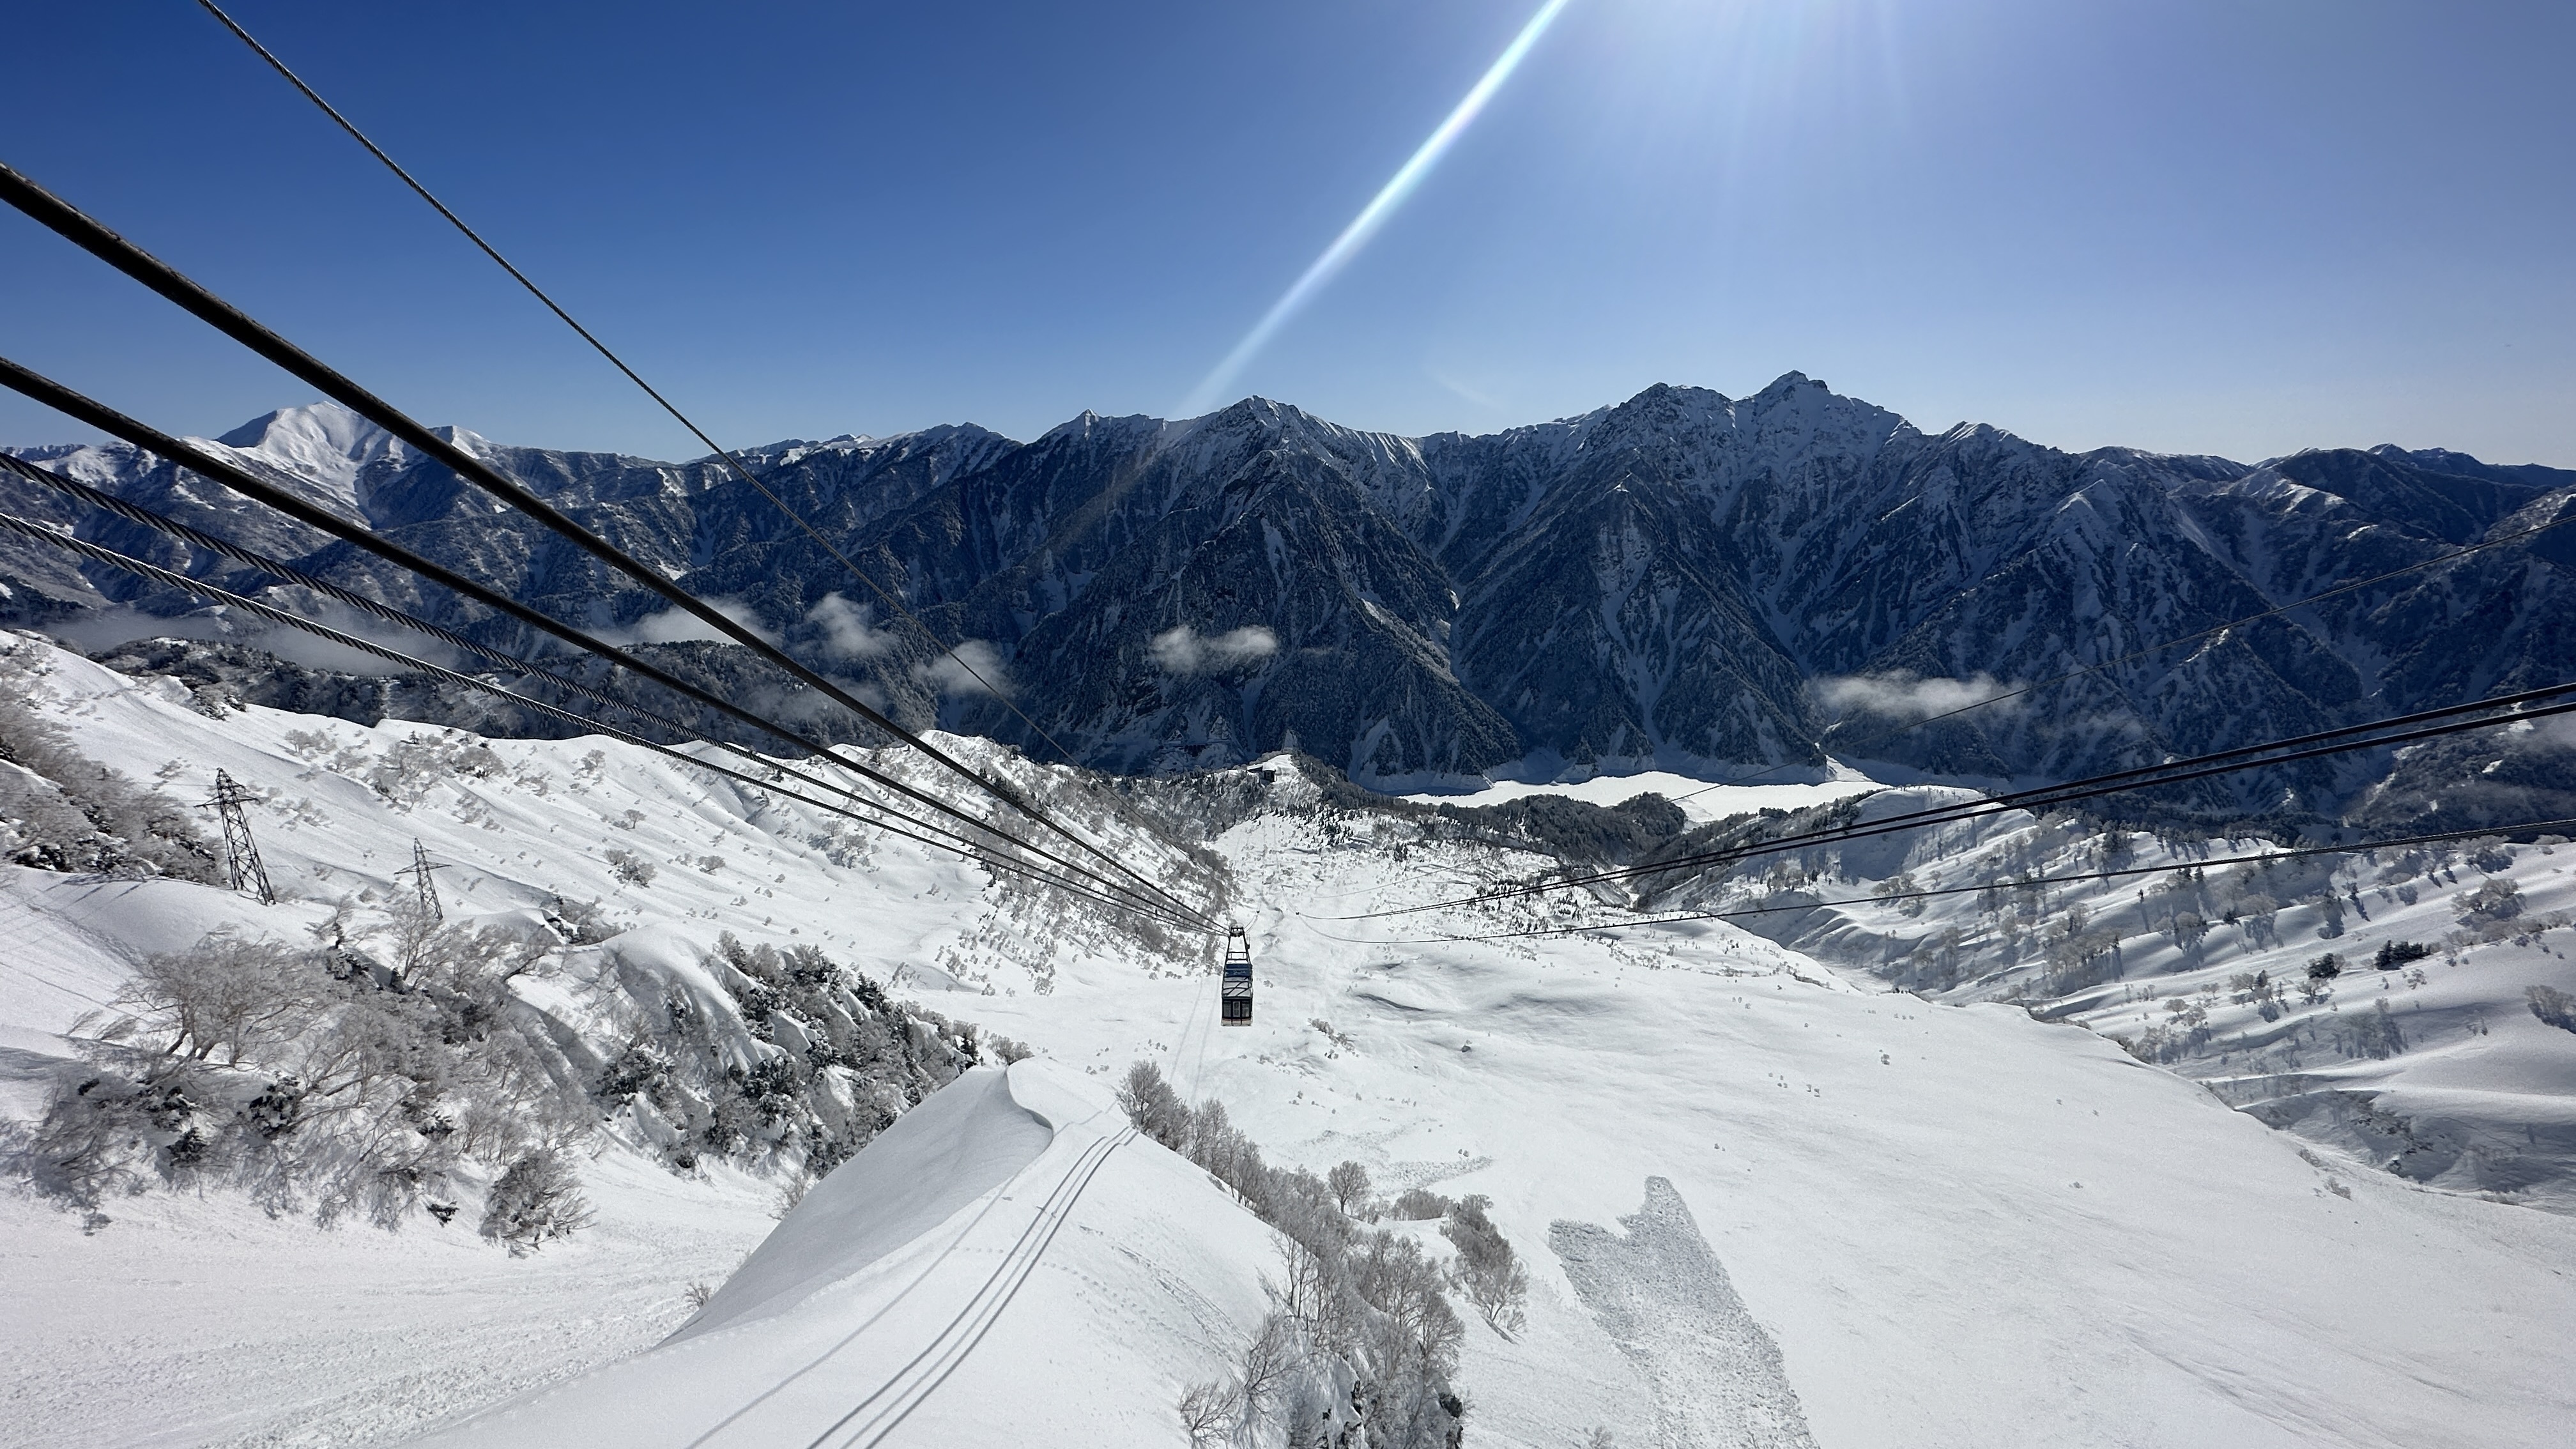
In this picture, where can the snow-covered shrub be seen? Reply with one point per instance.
(1486, 1270)
(1154, 1107)
(582, 923)
(226, 998)
(2494, 900)
(417, 764)
(2330, 914)
(1209, 1408)
(2374, 1034)
(1350, 1184)
(2189, 929)
(812, 1061)
(1366, 1308)
(1418, 1204)
(631, 868)
(537, 1200)
(60, 810)
(2395, 954)
(2552, 1006)
(311, 1085)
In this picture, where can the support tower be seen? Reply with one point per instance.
(241, 853)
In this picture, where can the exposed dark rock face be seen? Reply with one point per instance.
(1683, 578)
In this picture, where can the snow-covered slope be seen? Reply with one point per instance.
(1757, 1200)
(1007, 1259)
(2414, 1047)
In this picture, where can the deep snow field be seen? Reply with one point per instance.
(1762, 1200)
(1701, 801)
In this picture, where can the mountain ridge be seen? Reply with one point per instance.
(1682, 579)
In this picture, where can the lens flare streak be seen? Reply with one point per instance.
(1375, 214)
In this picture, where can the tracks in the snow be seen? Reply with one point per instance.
(872, 1418)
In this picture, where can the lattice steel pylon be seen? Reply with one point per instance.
(421, 867)
(241, 853)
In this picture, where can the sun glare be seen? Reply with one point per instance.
(1374, 215)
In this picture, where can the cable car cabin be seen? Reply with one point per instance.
(1234, 993)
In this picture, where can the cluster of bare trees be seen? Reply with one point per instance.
(802, 1063)
(325, 1081)
(404, 1077)
(60, 810)
(1362, 1341)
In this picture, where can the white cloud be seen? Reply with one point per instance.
(676, 625)
(1906, 696)
(1185, 651)
(104, 629)
(849, 630)
(957, 671)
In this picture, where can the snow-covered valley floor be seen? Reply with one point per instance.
(1760, 1202)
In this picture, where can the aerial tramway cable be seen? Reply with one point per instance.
(892, 600)
(185, 454)
(2566, 516)
(173, 579)
(1677, 918)
(2171, 772)
(286, 573)
(90, 235)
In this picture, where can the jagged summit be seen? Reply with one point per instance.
(1675, 580)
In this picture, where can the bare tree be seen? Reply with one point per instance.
(1208, 1408)
(222, 997)
(1268, 1359)
(1350, 1184)
(537, 1199)
(1487, 1270)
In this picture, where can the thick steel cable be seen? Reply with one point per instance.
(895, 603)
(180, 451)
(287, 573)
(98, 240)
(892, 600)
(1670, 919)
(218, 594)
(2173, 772)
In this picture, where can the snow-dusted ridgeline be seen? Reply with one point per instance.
(1682, 580)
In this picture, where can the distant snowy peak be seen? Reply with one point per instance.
(323, 443)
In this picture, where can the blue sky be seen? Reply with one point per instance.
(2241, 227)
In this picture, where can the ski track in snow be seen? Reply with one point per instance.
(1664, 1298)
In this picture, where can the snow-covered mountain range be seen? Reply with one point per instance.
(1763, 1187)
(1683, 579)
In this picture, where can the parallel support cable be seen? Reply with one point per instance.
(1683, 917)
(217, 594)
(893, 601)
(2173, 772)
(288, 574)
(98, 240)
(179, 451)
